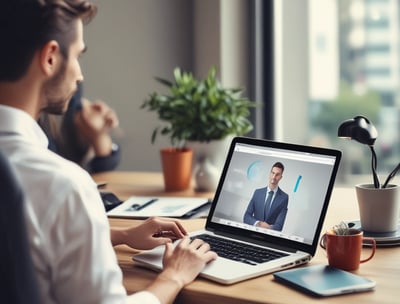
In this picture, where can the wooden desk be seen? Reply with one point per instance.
(384, 268)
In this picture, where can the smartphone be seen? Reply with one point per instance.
(323, 281)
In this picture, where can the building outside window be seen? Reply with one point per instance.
(351, 54)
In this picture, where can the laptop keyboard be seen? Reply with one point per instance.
(240, 252)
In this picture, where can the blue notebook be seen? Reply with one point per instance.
(322, 280)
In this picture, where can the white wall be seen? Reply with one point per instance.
(131, 41)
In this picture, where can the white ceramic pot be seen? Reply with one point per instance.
(208, 162)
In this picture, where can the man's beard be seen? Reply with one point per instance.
(57, 100)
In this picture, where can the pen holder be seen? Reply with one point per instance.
(379, 208)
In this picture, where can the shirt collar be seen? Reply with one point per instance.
(269, 189)
(16, 121)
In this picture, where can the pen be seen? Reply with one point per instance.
(137, 207)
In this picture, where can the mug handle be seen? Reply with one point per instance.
(373, 247)
(323, 241)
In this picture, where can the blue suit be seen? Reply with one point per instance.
(277, 213)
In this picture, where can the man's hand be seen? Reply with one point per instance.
(264, 225)
(183, 262)
(151, 233)
(94, 123)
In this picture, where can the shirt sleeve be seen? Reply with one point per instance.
(105, 163)
(84, 267)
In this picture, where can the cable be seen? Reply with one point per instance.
(373, 166)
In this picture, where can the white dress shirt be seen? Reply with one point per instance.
(67, 225)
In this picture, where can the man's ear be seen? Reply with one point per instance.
(50, 56)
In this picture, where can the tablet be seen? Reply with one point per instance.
(322, 280)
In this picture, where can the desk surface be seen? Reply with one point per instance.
(384, 268)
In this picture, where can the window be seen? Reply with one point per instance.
(333, 60)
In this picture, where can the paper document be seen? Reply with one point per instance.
(146, 206)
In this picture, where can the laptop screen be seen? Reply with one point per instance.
(302, 179)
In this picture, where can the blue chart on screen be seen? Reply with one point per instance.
(296, 186)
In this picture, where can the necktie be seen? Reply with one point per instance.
(268, 204)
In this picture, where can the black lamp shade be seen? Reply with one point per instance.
(360, 129)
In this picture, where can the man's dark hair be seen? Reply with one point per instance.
(27, 25)
(279, 165)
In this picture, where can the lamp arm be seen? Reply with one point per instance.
(373, 166)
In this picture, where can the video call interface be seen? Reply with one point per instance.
(305, 180)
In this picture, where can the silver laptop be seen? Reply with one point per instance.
(239, 209)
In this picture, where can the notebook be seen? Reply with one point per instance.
(167, 206)
(299, 206)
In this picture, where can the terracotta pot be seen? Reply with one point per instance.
(177, 168)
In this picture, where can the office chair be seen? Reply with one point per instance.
(17, 276)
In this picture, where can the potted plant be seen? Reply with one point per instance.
(199, 111)
(378, 203)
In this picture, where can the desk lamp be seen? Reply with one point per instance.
(362, 130)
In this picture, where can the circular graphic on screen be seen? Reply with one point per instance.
(255, 171)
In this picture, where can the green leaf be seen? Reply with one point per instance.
(164, 81)
(199, 109)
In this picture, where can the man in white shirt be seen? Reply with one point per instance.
(68, 229)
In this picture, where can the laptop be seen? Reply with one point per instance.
(308, 179)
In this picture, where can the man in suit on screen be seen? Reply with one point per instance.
(268, 205)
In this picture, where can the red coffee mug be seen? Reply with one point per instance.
(344, 251)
